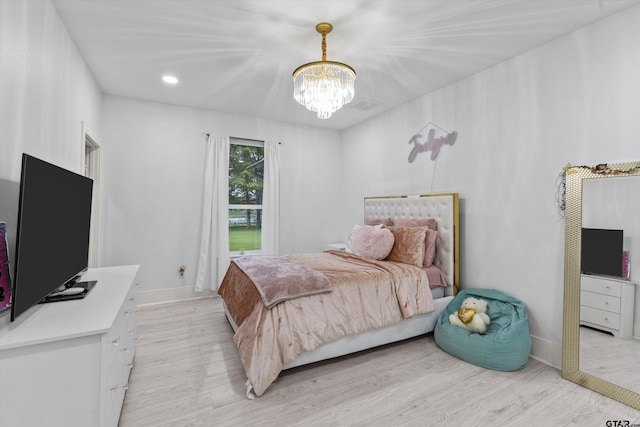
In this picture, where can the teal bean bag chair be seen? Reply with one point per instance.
(506, 344)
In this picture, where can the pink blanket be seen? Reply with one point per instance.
(277, 279)
(366, 294)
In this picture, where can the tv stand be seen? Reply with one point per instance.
(91, 343)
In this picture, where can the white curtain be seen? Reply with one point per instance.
(214, 243)
(271, 199)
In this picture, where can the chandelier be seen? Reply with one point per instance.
(324, 86)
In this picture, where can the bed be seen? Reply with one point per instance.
(368, 302)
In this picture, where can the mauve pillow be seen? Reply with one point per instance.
(430, 247)
(408, 246)
(371, 241)
(419, 222)
(378, 221)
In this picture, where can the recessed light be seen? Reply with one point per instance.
(169, 79)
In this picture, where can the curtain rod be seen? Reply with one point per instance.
(207, 134)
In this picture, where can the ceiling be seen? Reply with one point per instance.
(237, 56)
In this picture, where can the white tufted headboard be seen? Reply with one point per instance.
(442, 207)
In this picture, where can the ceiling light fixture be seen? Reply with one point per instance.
(170, 79)
(324, 86)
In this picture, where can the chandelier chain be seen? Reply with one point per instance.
(324, 46)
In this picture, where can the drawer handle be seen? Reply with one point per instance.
(114, 341)
(125, 349)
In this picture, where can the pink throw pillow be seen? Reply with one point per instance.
(430, 238)
(370, 241)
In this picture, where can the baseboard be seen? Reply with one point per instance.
(159, 296)
(547, 352)
(550, 352)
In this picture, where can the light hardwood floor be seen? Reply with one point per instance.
(187, 373)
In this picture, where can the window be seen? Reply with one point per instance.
(246, 174)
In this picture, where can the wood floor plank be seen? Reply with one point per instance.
(187, 372)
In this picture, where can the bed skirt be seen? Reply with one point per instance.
(414, 326)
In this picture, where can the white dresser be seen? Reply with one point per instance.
(67, 363)
(607, 304)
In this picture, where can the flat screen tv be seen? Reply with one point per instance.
(52, 238)
(602, 252)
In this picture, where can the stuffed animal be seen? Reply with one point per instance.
(472, 316)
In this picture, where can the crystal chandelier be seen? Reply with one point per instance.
(324, 86)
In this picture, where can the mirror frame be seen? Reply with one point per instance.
(573, 179)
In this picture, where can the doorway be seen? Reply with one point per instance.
(91, 169)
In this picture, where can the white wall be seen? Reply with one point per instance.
(46, 89)
(575, 100)
(152, 185)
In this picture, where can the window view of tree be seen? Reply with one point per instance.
(246, 172)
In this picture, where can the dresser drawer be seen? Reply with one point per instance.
(113, 404)
(121, 338)
(600, 302)
(118, 351)
(601, 286)
(600, 317)
(120, 344)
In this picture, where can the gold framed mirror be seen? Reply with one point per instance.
(574, 184)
